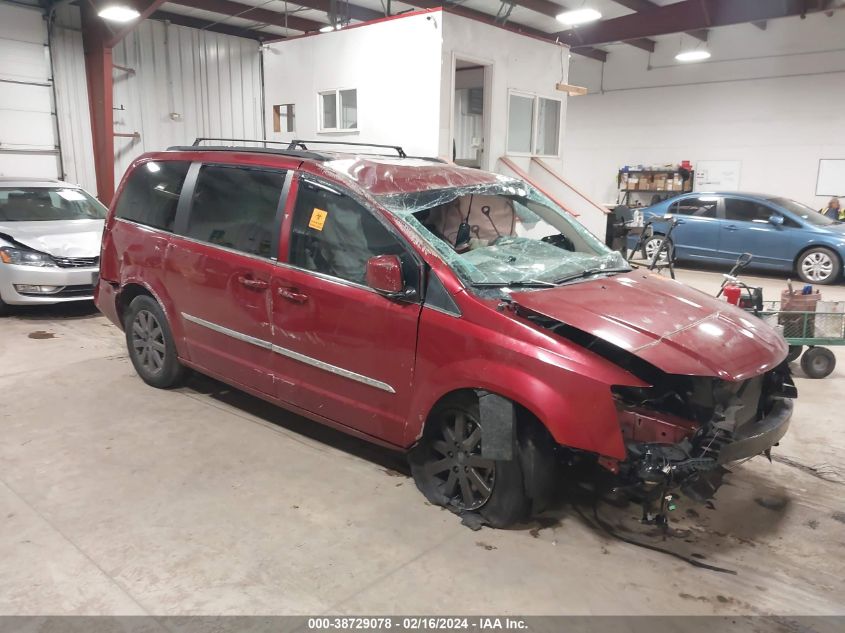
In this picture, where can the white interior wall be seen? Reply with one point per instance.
(394, 65)
(518, 63)
(211, 81)
(771, 99)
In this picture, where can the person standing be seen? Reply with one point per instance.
(834, 210)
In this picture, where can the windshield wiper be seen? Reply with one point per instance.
(590, 272)
(528, 283)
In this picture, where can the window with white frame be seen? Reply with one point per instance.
(338, 110)
(533, 125)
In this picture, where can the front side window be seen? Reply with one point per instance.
(44, 204)
(504, 234)
(703, 207)
(335, 235)
(804, 212)
(741, 210)
(151, 194)
(236, 207)
(338, 110)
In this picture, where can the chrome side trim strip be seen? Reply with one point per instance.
(224, 330)
(302, 358)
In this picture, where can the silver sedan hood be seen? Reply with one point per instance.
(64, 238)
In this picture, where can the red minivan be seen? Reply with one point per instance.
(455, 314)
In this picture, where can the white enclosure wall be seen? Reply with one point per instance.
(28, 138)
(521, 63)
(771, 99)
(183, 83)
(394, 65)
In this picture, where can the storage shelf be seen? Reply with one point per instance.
(654, 191)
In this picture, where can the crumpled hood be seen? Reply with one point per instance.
(675, 328)
(65, 238)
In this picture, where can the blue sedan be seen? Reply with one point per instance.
(780, 233)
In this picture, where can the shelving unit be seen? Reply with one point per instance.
(663, 182)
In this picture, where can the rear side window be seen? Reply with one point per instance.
(236, 207)
(151, 194)
(335, 235)
(700, 207)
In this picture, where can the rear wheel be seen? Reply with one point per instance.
(150, 344)
(818, 362)
(449, 469)
(818, 266)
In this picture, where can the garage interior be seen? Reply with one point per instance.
(202, 500)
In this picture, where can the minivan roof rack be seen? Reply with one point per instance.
(300, 143)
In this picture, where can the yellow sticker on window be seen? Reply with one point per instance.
(318, 219)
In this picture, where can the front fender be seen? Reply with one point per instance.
(570, 396)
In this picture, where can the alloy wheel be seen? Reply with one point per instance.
(462, 475)
(148, 341)
(817, 266)
(652, 246)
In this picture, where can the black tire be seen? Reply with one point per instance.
(818, 266)
(4, 310)
(150, 344)
(652, 244)
(818, 362)
(438, 454)
(794, 352)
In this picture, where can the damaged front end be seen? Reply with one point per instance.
(681, 432)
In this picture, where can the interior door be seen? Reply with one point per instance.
(696, 236)
(219, 269)
(342, 350)
(746, 229)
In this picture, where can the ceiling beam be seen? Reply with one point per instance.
(686, 16)
(248, 12)
(643, 43)
(648, 5)
(205, 25)
(593, 53)
(343, 9)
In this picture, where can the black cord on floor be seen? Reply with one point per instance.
(611, 532)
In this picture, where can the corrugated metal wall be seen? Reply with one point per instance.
(28, 136)
(186, 83)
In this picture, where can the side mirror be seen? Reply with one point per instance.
(384, 274)
(776, 219)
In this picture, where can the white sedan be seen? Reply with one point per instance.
(50, 234)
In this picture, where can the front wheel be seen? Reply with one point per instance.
(150, 344)
(652, 245)
(449, 469)
(818, 266)
(818, 362)
(794, 352)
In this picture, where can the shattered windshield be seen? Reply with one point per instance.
(504, 234)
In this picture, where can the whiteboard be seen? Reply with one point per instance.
(717, 175)
(831, 180)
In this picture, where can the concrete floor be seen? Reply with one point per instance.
(119, 499)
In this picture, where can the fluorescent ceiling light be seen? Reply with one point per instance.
(578, 16)
(118, 13)
(693, 56)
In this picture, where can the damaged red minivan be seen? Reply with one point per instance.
(455, 314)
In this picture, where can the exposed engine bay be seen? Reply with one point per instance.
(681, 431)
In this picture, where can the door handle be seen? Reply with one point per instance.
(253, 284)
(292, 294)
(731, 227)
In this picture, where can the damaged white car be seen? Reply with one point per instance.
(50, 234)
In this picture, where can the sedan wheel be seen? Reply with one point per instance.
(818, 266)
(651, 247)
